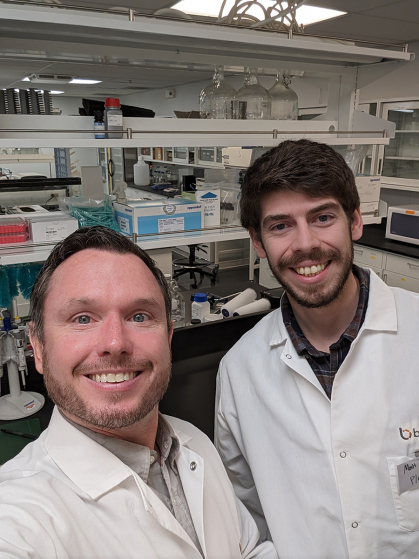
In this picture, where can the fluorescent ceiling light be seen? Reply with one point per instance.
(26, 80)
(85, 82)
(305, 15)
(56, 92)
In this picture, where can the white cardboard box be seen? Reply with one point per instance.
(155, 216)
(369, 209)
(368, 188)
(51, 228)
(211, 201)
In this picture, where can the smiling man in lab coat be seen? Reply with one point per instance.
(111, 478)
(318, 405)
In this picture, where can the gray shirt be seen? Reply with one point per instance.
(163, 478)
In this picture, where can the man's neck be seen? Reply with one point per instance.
(325, 325)
(142, 432)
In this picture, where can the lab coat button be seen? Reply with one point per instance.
(343, 454)
(288, 356)
(354, 524)
(193, 466)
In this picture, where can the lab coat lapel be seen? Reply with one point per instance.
(191, 471)
(161, 513)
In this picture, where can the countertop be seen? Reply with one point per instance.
(374, 237)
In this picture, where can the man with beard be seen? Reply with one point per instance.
(111, 478)
(317, 406)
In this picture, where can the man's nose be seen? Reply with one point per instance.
(114, 337)
(305, 239)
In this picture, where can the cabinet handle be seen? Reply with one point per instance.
(385, 278)
(380, 164)
(358, 250)
(412, 265)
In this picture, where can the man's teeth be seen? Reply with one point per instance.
(112, 377)
(310, 270)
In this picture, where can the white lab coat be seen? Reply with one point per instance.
(320, 475)
(67, 497)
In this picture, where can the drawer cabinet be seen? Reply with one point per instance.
(398, 280)
(365, 256)
(402, 265)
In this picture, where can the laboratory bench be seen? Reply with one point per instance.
(395, 262)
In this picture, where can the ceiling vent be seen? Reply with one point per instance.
(49, 78)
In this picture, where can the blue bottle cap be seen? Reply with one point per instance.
(200, 297)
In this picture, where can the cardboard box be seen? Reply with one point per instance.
(51, 228)
(368, 188)
(211, 201)
(155, 216)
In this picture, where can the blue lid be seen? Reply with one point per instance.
(200, 297)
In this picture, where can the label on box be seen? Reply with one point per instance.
(55, 232)
(171, 224)
(124, 224)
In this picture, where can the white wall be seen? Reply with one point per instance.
(68, 105)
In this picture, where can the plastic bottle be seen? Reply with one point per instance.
(99, 125)
(254, 100)
(178, 302)
(141, 172)
(284, 100)
(215, 100)
(200, 306)
(113, 117)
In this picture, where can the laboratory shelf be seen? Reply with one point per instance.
(30, 252)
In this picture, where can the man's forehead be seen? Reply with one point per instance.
(286, 201)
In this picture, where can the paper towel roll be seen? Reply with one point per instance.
(246, 297)
(256, 306)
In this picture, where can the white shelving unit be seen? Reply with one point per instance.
(174, 44)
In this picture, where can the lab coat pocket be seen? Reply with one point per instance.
(406, 503)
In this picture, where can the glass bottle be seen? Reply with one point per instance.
(215, 100)
(254, 101)
(284, 100)
(178, 302)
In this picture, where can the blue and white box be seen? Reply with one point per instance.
(155, 216)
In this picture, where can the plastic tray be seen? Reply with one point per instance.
(13, 238)
(13, 225)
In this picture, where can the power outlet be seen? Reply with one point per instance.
(170, 93)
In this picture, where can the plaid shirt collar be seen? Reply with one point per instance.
(300, 342)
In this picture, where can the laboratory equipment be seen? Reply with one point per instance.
(256, 306)
(113, 117)
(215, 100)
(247, 296)
(284, 100)
(178, 302)
(141, 172)
(17, 403)
(403, 223)
(200, 306)
(254, 101)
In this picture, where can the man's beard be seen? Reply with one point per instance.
(313, 296)
(108, 416)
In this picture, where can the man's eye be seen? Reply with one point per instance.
(83, 319)
(279, 227)
(324, 218)
(139, 317)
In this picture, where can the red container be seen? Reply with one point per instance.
(13, 238)
(13, 225)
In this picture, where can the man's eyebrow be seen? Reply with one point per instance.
(324, 207)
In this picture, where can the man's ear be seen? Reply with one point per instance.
(356, 225)
(257, 243)
(171, 332)
(37, 349)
